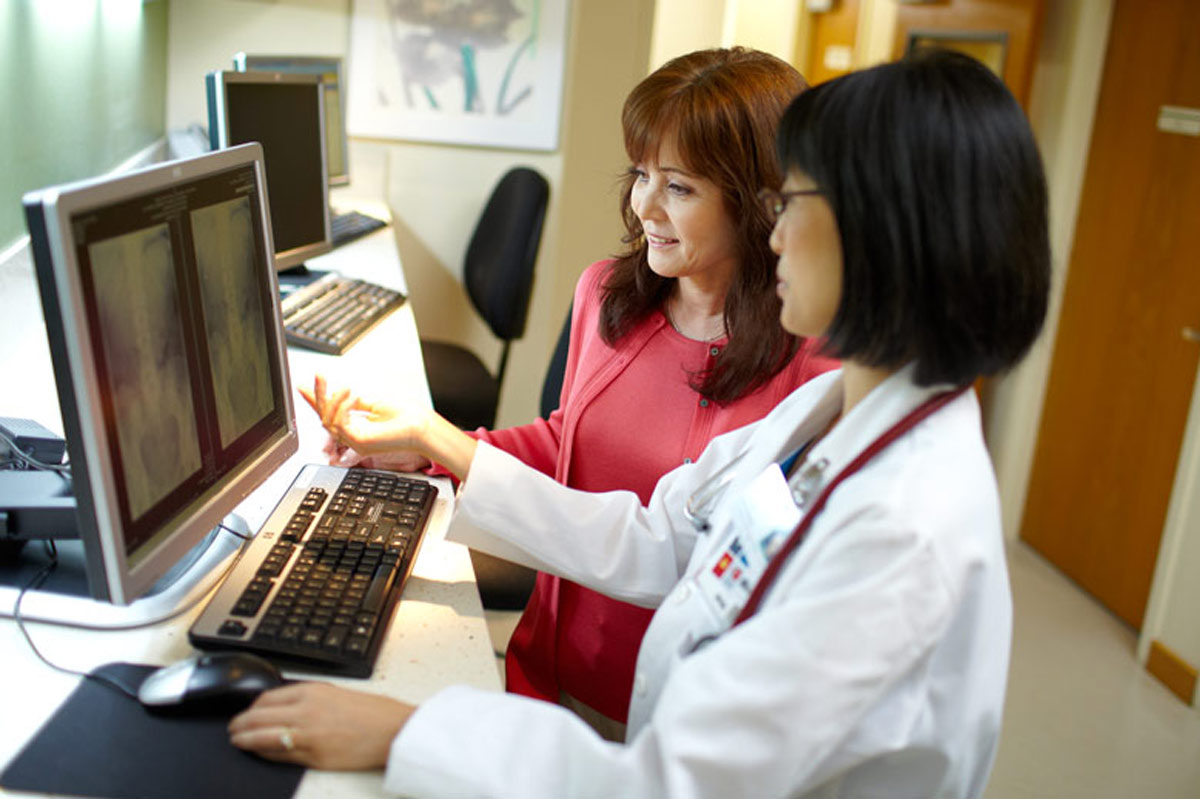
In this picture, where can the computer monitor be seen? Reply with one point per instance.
(329, 68)
(168, 354)
(285, 113)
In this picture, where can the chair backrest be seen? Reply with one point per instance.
(498, 271)
(552, 385)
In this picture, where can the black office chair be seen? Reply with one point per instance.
(498, 275)
(552, 385)
(504, 585)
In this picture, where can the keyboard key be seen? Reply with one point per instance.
(335, 638)
(233, 628)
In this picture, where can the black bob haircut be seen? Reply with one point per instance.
(932, 173)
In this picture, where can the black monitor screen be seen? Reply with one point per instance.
(329, 68)
(286, 117)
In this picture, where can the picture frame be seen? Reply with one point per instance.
(485, 73)
(988, 47)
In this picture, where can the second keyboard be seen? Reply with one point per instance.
(331, 314)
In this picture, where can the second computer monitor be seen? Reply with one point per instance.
(285, 113)
(329, 68)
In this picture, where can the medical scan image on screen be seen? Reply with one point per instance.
(143, 342)
(224, 240)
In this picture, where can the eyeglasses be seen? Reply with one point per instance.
(776, 202)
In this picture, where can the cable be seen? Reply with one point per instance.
(30, 461)
(233, 532)
(39, 578)
(179, 611)
(36, 582)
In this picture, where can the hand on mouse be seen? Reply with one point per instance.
(321, 726)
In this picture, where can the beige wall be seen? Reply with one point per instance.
(681, 26)
(876, 30)
(768, 25)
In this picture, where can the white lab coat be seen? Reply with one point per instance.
(875, 665)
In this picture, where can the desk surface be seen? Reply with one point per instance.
(438, 635)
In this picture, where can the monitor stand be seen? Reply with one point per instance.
(300, 273)
(64, 597)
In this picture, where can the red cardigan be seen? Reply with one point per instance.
(569, 637)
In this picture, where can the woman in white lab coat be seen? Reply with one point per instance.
(833, 611)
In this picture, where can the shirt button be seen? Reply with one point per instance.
(715, 351)
(639, 685)
(683, 593)
(703, 403)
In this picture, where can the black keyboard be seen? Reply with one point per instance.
(332, 313)
(351, 225)
(318, 584)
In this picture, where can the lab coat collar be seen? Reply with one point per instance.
(887, 404)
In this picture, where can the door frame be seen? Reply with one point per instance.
(1178, 553)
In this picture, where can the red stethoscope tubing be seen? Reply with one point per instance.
(915, 417)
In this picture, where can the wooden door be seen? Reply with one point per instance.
(1124, 368)
(832, 36)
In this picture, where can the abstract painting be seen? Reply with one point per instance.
(472, 72)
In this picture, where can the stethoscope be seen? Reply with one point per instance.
(699, 506)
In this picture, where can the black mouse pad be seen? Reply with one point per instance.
(105, 744)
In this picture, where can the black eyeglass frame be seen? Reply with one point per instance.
(776, 202)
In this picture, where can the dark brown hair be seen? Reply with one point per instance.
(722, 107)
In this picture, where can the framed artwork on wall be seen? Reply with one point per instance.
(988, 47)
(470, 72)
(1003, 34)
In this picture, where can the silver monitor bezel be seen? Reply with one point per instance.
(111, 576)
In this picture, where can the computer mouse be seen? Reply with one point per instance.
(215, 682)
